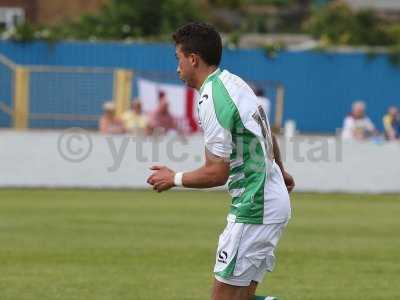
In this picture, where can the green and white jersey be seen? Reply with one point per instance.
(236, 127)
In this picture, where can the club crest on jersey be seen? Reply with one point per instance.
(222, 256)
(203, 98)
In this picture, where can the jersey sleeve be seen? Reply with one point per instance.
(218, 140)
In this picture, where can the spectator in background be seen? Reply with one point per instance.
(109, 123)
(161, 119)
(391, 123)
(134, 120)
(357, 126)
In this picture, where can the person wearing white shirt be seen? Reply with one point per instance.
(357, 126)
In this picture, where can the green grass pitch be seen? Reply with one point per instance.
(140, 245)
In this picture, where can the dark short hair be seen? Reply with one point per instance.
(259, 92)
(201, 39)
(161, 94)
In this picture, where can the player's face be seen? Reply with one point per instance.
(186, 66)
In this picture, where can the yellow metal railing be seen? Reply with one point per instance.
(20, 108)
(21, 98)
(122, 90)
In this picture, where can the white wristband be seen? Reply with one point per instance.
(178, 179)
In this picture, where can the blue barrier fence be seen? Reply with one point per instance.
(319, 87)
(6, 93)
(68, 93)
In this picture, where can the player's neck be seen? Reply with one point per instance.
(203, 75)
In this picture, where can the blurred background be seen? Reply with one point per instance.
(90, 99)
(326, 70)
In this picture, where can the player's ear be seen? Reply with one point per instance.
(194, 60)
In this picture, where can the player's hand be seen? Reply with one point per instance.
(289, 181)
(162, 178)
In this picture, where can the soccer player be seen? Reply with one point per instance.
(240, 149)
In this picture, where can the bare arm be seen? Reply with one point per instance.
(277, 154)
(289, 181)
(214, 172)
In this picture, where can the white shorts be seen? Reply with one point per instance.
(246, 252)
